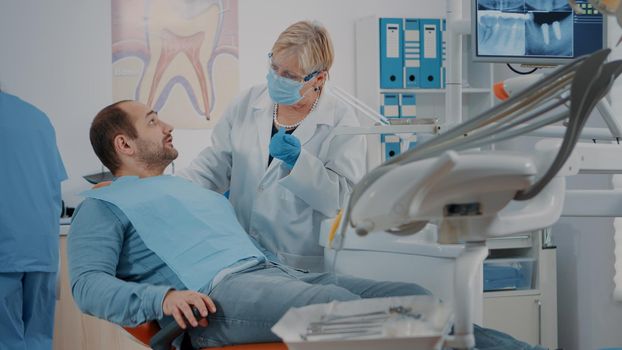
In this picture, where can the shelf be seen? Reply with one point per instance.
(434, 91)
(511, 293)
(510, 242)
(428, 127)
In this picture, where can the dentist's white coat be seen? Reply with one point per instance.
(282, 210)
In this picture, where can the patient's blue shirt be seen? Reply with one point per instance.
(107, 253)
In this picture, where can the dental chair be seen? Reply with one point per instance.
(151, 335)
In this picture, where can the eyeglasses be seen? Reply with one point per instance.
(289, 75)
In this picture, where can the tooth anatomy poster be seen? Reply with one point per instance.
(179, 57)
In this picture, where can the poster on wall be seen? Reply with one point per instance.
(179, 57)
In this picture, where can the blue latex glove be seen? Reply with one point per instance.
(285, 147)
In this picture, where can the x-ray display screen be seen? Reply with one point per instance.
(535, 31)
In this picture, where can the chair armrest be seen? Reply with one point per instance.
(164, 338)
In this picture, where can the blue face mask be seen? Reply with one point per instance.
(285, 91)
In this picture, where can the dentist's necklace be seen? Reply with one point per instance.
(295, 125)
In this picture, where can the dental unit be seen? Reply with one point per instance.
(475, 195)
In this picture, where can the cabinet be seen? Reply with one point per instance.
(530, 314)
(477, 77)
(74, 330)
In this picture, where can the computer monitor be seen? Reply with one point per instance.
(535, 31)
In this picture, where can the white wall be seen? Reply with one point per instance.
(57, 55)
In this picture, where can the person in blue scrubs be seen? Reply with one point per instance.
(30, 207)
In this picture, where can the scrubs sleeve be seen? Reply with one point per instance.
(94, 245)
(60, 167)
(325, 183)
(56, 161)
(212, 167)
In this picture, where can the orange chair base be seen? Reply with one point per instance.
(145, 331)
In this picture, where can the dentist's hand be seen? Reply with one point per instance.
(285, 147)
(178, 303)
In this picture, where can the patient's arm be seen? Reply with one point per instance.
(95, 244)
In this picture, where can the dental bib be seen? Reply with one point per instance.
(193, 230)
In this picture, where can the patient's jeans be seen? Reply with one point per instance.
(250, 302)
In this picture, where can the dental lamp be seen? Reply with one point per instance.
(476, 195)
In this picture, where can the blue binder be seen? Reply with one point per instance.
(408, 107)
(443, 53)
(390, 146)
(390, 107)
(412, 52)
(391, 53)
(431, 49)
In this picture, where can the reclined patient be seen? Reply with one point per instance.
(149, 247)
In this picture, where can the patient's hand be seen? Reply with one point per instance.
(179, 302)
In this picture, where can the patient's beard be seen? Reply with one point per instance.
(154, 155)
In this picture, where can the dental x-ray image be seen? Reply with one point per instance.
(548, 5)
(501, 33)
(524, 28)
(549, 34)
(502, 5)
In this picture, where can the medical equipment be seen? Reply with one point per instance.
(536, 32)
(504, 89)
(383, 256)
(593, 160)
(374, 123)
(610, 7)
(475, 196)
(359, 324)
(408, 322)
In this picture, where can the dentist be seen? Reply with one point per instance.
(274, 152)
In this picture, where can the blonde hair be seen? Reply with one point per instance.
(310, 43)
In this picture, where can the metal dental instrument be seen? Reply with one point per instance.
(354, 325)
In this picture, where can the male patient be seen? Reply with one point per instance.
(149, 246)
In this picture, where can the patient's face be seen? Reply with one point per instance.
(155, 142)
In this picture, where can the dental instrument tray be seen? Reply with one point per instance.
(412, 322)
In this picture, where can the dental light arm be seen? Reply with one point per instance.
(454, 138)
(582, 83)
(359, 105)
